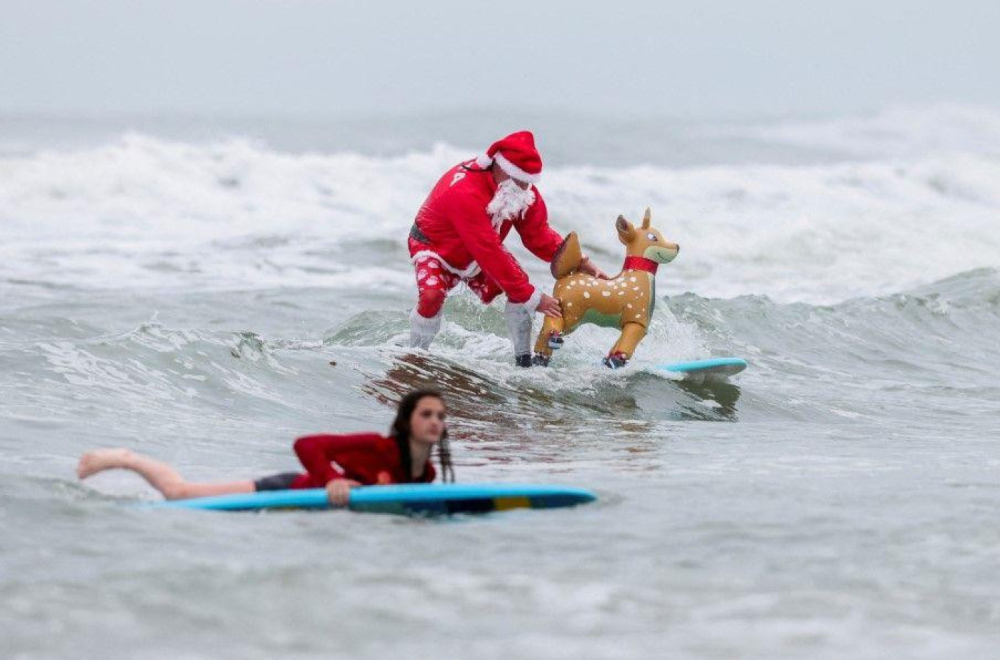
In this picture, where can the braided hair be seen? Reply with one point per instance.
(400, 432)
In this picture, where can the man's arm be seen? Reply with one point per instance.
(483, 243)
(536, 234)
(543, 241)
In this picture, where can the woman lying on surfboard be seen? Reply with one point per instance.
(361, 459)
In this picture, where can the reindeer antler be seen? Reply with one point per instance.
(646, 218)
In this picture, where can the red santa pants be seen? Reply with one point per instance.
(434, 282)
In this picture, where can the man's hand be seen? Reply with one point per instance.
(339, 491)
(550, 307)
(587, 266)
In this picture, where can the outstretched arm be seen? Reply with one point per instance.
(483, 243)
(543, 241)
(590, 268)
(536, 234)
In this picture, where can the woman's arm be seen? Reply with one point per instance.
(317, 452)
(338, 491)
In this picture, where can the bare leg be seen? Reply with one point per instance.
(160, 475)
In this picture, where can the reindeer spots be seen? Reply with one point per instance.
(631, 279)
(621, 293)
(586, 294)
(605, 293)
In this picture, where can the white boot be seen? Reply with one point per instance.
(519, 318)
(423, 330)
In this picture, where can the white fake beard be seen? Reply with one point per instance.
(509, 202)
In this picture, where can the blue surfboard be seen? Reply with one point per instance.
(407, 499)
(715, 367)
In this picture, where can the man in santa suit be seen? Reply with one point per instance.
(458, 237)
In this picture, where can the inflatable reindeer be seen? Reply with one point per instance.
(624, 302)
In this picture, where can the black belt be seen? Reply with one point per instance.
(418, 235)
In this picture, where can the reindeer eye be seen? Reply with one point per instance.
(651, 237)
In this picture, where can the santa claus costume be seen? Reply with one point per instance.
(458, 236)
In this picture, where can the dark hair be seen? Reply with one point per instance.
(400, 431)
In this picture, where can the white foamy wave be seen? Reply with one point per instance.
(144, 212)
(820, 233)
(898, 132)
(149, 212)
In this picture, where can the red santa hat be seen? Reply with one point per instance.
(516, 155)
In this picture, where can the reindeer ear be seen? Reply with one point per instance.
(646, 218)
(626, 232)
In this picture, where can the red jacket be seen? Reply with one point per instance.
(367, 458)
(458, 229)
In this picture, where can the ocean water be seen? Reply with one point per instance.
(204, 290)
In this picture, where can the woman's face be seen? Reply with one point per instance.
(427, 422)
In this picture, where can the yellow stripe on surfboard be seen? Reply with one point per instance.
(504, 503)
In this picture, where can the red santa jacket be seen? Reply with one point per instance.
(367, 458)
(453, 225)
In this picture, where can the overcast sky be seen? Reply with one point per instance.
(315, 57)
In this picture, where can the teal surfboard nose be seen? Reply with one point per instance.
(725, 366)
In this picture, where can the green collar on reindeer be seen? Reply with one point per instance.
(640, 263)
